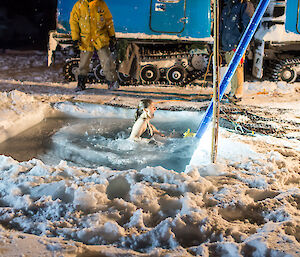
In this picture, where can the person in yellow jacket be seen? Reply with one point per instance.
(92, 29)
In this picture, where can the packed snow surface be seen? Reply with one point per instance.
(247, 205)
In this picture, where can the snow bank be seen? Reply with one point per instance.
(86, 110)
(280, 87)
(276, 33)
(230, 147)
(157, 210)
(19, 112)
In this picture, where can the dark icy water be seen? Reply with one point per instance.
(103, 141)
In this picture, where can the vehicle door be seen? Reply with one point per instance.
(292, 23)
(168, 16)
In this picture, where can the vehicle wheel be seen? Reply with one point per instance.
(175, 74)
(70, 69)
(288, 75)
(98, 72)
(123, 77)
(200, 62)
(149, 73)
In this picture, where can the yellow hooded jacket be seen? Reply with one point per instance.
(92, 24)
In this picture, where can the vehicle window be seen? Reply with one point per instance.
(169, 1)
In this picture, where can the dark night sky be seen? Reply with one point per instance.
(24, 24)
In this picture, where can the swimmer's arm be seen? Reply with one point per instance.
(156, 131)
(136, 138)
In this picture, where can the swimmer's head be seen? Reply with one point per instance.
(145, 105)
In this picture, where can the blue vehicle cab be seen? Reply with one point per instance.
(187, 19)
(292, 16)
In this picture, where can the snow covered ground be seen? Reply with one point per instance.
(246, 205)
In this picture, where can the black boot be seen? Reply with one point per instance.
(81, 83)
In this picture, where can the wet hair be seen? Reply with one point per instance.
(144, 103)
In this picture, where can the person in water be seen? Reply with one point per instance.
(142, 128)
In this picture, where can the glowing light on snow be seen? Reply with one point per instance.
(203, 151)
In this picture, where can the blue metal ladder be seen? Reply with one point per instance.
(248, 34)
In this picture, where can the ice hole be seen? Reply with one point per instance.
(95, 135)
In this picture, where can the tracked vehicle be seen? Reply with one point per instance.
(277, 42)
(175, 43)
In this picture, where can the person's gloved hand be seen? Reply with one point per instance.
(113, 44)
(76, 44)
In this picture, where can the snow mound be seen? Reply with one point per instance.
(240, 212)
(18, 112)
